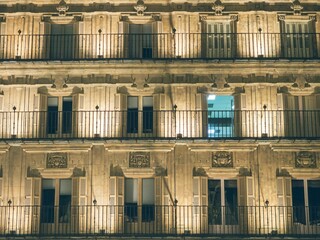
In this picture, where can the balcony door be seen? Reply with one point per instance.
(298, 40)
(223, 205)
(219, 40)
(139, 206)
(220, 116)
(55, 214)
(59, 116)
(140, 41)
(140, 115)
(62, 41)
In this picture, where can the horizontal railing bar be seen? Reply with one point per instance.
(159, 46)
(193, 124)
(129, 219)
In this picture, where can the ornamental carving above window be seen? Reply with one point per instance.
(305, 160)
(57, 160)
(139, 160)
(222, 159)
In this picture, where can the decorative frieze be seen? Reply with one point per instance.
(222, 159)
(139, 160)
(57, 160)
(305, 160)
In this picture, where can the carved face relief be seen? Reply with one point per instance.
(305, 160)
(57, 160)
(139, 160)
(222, 159)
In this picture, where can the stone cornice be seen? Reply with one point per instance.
(156, 7)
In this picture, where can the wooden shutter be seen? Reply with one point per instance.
(79, 207)
(200, 125)
(159, 114)
(40, 106)
(44, 40)
(247, 209)
(78, 115)
(35, 202)
(284, 211)
(1, 102)
(120, 106)
(1, 189)
(200, 204)
(280, 101)
(123, 39)
(116, 202)
(157, 40)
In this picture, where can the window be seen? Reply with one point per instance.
(140, 40)
(218, 40)
(140, 114)
(223, 202)
(56, 201)
(59, 119)
(139, 199)
(298, 39)
(220, 116)
(305, 201)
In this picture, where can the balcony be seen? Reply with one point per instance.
(202, 46)
(173, 124)
(107, 220)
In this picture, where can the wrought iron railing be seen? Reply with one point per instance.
(192, 124)
(160, 46)
(158, 220)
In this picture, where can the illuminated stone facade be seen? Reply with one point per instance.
(104, 107)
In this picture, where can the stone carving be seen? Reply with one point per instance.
(296, 7)
(281, 17)
(222, 159)
(140, 8)
(57, 160)
(139, 160)
(305, 160)
(218, 7)
(62, 8)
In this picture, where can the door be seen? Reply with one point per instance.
(140, 41)
(223, 206)
(298, 40)
(59, 119)
(139, 205)
(62, 41)
(219, 40)
(55, 213)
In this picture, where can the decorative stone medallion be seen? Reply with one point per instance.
(57, 160)
(139, 160)
(305, 160)
(222, 159)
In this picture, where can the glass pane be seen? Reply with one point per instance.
(131, 199)
(214, 202)
(53, 115)
(132, 118)
(314, 203)
(147, 114)
(220, 116)
(231, 201)
(47, 201)
(65, 200)
(298, 202)
(148, 199)
(66, 114)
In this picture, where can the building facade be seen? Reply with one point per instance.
(160, 117)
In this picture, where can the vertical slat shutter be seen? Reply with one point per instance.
(200, 204)
(116, 198)
(123, 39)
(120, 106)
(78, 115)
(201, 116)
(284, 211)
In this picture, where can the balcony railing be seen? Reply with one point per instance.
(193, 124)
(160, 46)
(159, 220)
